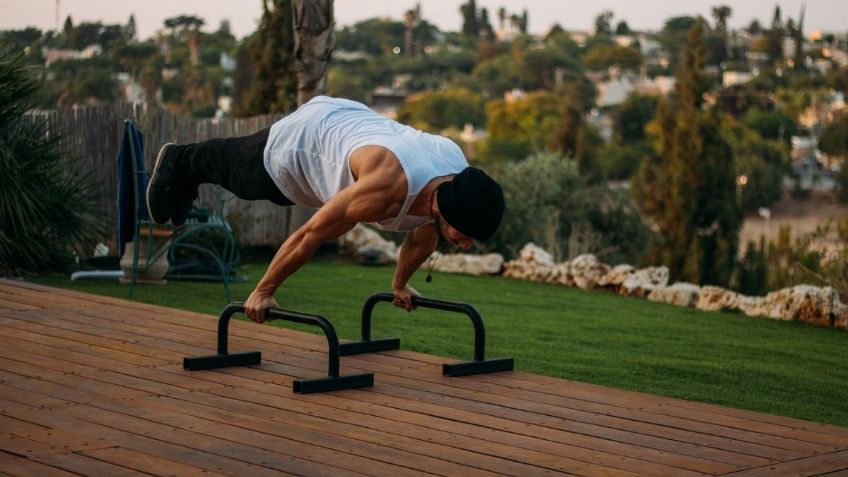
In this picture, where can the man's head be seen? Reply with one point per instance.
(473, 203)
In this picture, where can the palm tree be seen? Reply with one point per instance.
(721, 13)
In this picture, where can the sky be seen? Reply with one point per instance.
(823, 15)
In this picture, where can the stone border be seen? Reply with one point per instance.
(820, 306)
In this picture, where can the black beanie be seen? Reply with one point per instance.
(472, 203)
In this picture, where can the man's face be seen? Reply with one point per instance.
(454, 236)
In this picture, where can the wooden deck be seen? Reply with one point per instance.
(95, 386)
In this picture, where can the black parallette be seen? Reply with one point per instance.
(478, 365)
(332, 382)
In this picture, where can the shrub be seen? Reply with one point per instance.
(806, 261)
(46, 210)
(548, 203)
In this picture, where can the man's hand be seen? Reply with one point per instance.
(256, 305)
(403, 298)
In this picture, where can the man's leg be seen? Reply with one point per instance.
(234, 163)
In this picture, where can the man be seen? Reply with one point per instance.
(355, 166)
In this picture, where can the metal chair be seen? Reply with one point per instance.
(206, 235)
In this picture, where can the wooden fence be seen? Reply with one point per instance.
(93, 135)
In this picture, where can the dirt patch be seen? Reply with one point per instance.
(802, 215)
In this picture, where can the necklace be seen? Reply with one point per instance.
(430, 260)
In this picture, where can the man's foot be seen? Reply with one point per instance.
(186, 195)
(163, 191)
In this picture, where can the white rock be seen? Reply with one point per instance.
(680, 294)
(805, 303)
(488, 264)
(535, 254)
(616, 276)
(641, 282)
(368, 244)
(715, 298)
(587, 271)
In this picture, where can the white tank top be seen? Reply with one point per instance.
(308, 153)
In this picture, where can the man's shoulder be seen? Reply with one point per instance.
(374, 159)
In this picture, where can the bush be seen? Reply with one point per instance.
(46, 210)
(806, 261)
(548, 203)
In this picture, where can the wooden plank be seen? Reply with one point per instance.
(259, 449)
(24, 396)
(29, 468)
(85, 465)
(816, 465)
(457, 433)
(146, 463)
(56, 377)
(318, 446)
(23, 447)
(838, 473)
(158, 446)
(67, 440)
(495, 401)
(150, 380)
(796, 428)
(87, 348)
(13, 425)
(497, 458)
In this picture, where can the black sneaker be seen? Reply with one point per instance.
(186, 195)
(163, 189)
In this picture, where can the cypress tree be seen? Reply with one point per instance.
(273, 83)
(470, 25)
(688, 189)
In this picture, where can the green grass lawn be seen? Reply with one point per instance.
(790, 369)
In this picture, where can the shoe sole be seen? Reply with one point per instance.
(153, 178)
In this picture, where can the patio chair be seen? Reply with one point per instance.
(204, 246)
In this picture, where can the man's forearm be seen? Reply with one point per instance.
(413, 253)
(293, 254)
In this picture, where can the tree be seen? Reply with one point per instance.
(86, 81)
(721, 13)
(837, 78)
(521, 126)
(313, 46)
(774, 37)
(470, 27)
(486, 30)
(798, 37)
(674, 34)
(130, 31)
(689, 190)
(68, 26)
(761, 161)
(773, 125)
(630, 117)
(623, 28)
(437, 110)
(273, 83)
(411, 21)
(496, 76)
(834, 141)
(375, 36)
(603, 25)
(601, 57)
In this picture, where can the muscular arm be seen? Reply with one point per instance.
(417, 246)
(376, 195)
